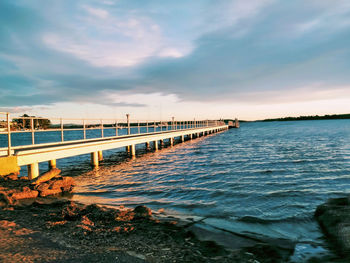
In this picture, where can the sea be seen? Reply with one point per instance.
(263, 180)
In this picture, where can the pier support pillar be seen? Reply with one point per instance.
(171, 140)
(132, 150)
(147, 145)
(94, 159)
(161, 143)
(52, 164)
(127, 148)
(100, 155)
(191, 136)
(182, 138)
(33, 171)
(155, 145)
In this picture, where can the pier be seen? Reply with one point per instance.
(107, 134)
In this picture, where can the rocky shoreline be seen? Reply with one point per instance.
(334, 219)
(38, 223)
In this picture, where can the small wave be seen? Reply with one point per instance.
(287, 193)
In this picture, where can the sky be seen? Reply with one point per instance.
(159, 59)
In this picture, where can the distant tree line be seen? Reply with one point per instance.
(23, 123)
(313, 117)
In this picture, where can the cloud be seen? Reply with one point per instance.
(229, 51)
(98, 12)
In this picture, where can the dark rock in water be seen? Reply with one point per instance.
(142, 211)
(334, 219)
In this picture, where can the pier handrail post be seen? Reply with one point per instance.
(116, 128)
(154, 126)
(146, 126)
(8, 134)
(172, 123)
(101, 128)
(128, 122)
(62, 135)
(32, 128)
(207, 123)
(84, 129)
(138, 127)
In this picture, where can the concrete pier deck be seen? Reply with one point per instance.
(32, 155)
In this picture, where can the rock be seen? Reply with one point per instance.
(46, 176)
(268, 253)
(25, 189)
(66, 184)
(13, 176)
(334, 219)
(42, 187)
(25, 194)
(50, 192)
(5, 200)
(142, 211)
(56, 184)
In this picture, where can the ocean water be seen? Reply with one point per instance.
(264, 179)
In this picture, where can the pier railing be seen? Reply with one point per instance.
(23, 131)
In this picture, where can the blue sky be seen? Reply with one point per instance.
(155, 59)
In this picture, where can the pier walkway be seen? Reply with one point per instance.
(111, 135)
